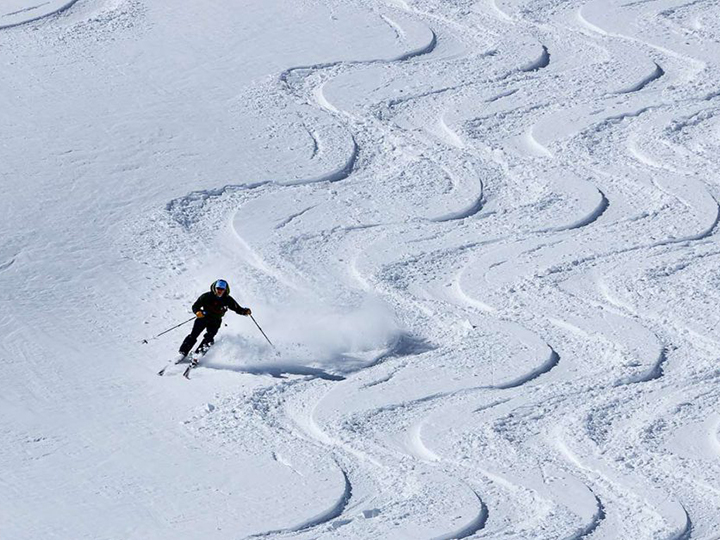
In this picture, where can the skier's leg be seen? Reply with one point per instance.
(209, 338)
(191, 338)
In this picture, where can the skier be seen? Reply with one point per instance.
(209, 310)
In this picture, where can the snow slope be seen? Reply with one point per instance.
(481, 233)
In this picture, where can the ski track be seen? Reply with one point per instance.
(655, 372)
(593, 216)
(470, 211)
(279, 371)
(655, 75)
(292, 217)
(375, 136)
(552, 361)
(24, 10)
(316, 143)
(328, 515)
(541, 62)
(4, 266)
(287, 75)
(471, 528)
(597, 520)
(61, 7)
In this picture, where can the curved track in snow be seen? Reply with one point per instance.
(19, 12)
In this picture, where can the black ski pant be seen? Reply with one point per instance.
(211, 327)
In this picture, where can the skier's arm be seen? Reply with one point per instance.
(237, 308)
(197, 306)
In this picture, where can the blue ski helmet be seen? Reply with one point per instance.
(220, 286)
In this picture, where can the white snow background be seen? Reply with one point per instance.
(481, 233)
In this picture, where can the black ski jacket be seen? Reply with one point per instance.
(215, 306)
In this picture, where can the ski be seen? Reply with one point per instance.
(192, 365)
(194, 361)
(172, 362)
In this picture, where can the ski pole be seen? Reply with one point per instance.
(263, 333)
(173, 328)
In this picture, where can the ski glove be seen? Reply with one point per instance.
(199, 314)
(246, 311)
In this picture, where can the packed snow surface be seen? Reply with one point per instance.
(482, 235)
